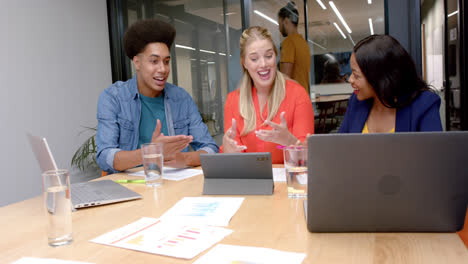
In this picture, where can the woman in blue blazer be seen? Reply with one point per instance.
(389, 96)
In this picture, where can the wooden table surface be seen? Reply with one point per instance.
(262, 221)
(331, 98)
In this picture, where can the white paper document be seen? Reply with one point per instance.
(46, 261)
(162, 237)
(227, 254)
(279, 174)
(215, 211)
(173, 174)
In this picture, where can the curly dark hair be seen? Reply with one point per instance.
(390, 70)
(143, 32)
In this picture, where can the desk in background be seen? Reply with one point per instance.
(331, 110)
(262, 221)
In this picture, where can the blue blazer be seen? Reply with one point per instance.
(421, 115)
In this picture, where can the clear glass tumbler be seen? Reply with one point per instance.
(153, 162)
(295, 163)
(58, 206)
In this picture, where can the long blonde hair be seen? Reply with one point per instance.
(277, 93)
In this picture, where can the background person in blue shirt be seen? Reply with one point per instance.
(389, 96)
(148, 109)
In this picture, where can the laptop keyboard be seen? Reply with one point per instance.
(83, 194)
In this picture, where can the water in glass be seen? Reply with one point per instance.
(153, 165)
(58, 210)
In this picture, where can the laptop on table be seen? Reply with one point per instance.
(403, 182)
(84, 194)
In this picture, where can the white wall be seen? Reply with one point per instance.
(56, 62)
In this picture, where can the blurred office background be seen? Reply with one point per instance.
(205, 56)
(61, 54)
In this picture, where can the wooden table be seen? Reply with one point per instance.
(331, 98)
(262, 221)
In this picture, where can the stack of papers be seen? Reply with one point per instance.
(193, 225)
(212, 211)
(227, 254)
(184, 231)
(173, 174)
(164, 237)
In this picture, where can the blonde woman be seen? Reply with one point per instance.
(266, 111)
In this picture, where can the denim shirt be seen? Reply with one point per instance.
(118, 115)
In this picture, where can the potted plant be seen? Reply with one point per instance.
(84, 158)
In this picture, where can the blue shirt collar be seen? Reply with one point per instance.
(134, 93)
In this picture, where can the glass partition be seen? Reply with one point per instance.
(334, 28)
(205, 54)
(205, 58)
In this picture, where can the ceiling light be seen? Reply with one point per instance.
(316, 44)
(321, 4)
(184, 47)
(371, 26)
(208, 51)
(351, 39)
(369, 2)
(266, 17)
(339, 29)
(338, 14)
(453, 13)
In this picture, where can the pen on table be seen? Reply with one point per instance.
(130, 181)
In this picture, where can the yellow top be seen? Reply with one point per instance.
(365, 130)
(295, 50)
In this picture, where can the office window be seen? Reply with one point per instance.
(265, 13)
(332, 39)
(205, 54)
(205, 58)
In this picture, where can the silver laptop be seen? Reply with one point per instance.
(83, 194)
(237, 173)
(403, 182)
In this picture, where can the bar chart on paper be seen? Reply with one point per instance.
(164, 237)
(203, 209)
(215, 211)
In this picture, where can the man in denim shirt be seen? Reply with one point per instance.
(148, 109)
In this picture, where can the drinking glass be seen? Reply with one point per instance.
(153, 160)
(58, 206)
(295, 162)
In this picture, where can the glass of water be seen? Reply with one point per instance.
(153, 160)
(58, 206)
(295, 162)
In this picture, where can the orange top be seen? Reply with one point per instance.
(299, 117)
(295, 50)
